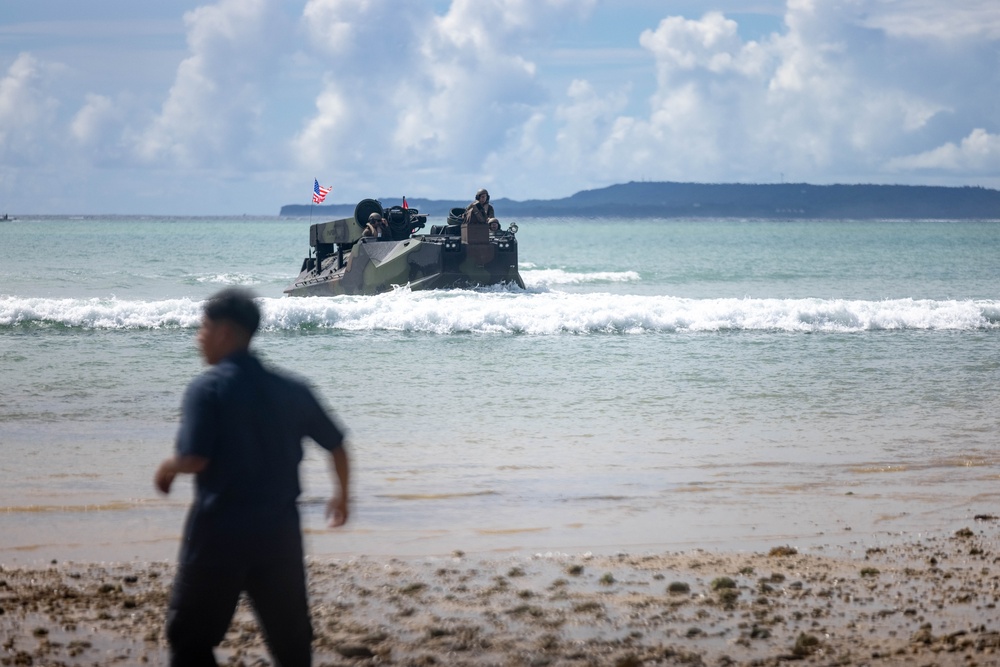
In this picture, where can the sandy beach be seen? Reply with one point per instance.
(926, 602)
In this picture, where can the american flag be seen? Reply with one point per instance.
(319, 194)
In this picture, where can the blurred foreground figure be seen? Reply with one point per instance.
(241, 434)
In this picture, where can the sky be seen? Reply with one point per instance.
(181, 107)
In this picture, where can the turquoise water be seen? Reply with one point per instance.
(660, 384)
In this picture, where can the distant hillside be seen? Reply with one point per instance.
(725, 200)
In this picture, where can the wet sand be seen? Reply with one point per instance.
(926, 602)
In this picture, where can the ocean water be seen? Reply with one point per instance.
(660, 384)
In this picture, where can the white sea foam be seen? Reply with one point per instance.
(532, 312)
(230, 279)
(100, 313)
(534, 278)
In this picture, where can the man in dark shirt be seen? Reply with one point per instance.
(241, 435)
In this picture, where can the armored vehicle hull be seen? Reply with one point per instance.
(343, 261)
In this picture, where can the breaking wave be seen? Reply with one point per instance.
(100, 313)
(533, 312)
(540, 278)
(242, 279)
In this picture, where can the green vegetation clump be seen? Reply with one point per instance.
(678, 588)
(783, 551)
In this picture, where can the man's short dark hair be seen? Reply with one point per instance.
(234, 305)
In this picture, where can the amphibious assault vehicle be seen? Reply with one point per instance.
(342, 261)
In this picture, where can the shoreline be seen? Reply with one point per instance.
(916, 602)
(144, 543)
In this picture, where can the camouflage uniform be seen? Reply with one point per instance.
(378, 229)
(478, 214)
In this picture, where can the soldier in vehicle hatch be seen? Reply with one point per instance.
(377, 228)
(480, 211)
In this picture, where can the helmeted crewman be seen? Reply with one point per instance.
(480, 211)
(377, 228)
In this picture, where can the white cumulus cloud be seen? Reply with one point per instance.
(978, 152)
(436, 94)
(826, 98)
(91, 122)
(212, 111)
(27, 109)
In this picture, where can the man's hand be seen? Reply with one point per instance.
(165, 474)
(336, 511)
(169, 469)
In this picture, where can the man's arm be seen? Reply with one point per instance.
(337, 507)
(170, 468)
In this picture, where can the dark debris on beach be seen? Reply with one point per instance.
(932, 602)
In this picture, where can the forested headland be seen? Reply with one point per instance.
(727, 200)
